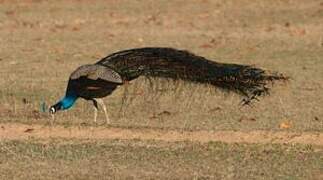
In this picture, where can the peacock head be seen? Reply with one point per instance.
(53, 109)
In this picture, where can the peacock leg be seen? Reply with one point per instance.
(101, 102)
(95, 104)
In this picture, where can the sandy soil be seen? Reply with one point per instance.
(13, 131)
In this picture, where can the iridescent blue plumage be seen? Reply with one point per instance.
(65, 103)
(68, 101)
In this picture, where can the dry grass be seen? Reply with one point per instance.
(72, 159)
(42, 42)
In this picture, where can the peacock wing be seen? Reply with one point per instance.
(95, 71)
(105, 73)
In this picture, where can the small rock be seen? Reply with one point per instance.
(287, 24)
(243, 118)
(215, 109)
(25, 101)
(29, 130)
(164, 113)
(204, 46)
(285, 125)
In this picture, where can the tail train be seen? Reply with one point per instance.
(246, 80)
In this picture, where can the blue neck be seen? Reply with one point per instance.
(68, 101)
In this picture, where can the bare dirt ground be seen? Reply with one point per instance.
(12, 131)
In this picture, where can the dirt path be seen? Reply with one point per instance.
(12, 131)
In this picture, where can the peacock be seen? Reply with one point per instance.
(96, 81)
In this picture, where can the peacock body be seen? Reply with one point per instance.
(95, 81)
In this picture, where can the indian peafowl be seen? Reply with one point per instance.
(95, 81)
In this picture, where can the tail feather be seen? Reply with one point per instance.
(176, 64)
